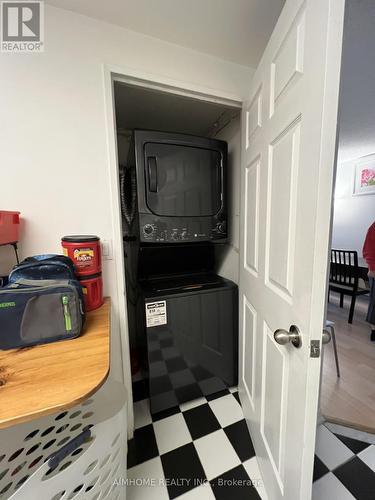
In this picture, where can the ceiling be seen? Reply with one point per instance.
(234, 30)
(137, 107)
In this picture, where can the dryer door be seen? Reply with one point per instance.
(183, 181)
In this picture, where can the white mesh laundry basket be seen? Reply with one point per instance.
(78, 453)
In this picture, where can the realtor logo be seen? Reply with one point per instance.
(22, 26)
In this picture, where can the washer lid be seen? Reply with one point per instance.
(179, 284)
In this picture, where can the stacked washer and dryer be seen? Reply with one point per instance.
(182, 316)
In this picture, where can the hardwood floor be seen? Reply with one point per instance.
(350, 399)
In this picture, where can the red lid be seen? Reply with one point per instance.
(89, 277)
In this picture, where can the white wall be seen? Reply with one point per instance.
(228, 255)
(354, 214)
(53, 140)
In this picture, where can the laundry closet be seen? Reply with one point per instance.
(179, 176)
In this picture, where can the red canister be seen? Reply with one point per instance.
(85, 253)
(9, 227)
(92, 291)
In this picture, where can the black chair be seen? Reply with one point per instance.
(344, 277)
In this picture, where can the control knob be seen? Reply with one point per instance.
(221, 227)
(148, 229)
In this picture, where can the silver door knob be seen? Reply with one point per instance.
(283, 337)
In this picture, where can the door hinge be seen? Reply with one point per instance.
(314, 348)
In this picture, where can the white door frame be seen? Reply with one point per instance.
(131, 76)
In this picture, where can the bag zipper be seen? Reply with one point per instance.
(28, 265)
(67, 317)
(33, 288)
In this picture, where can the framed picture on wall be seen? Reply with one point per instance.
(364, 175)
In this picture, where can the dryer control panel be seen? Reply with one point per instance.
(179, 230)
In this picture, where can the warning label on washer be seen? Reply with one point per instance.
(156, 313)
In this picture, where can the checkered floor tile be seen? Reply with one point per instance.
(199, 450)
(344, 464)
(202, 450)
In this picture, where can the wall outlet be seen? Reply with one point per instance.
(107, 253)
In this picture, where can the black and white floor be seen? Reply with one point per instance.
(344, 464)
(202, 450)
(199, 450)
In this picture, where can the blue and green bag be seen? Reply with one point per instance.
(43, 302)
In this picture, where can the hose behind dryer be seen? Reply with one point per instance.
(128, 196)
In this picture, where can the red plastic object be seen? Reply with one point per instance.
(92, 291)
(9, 227)
(85, 253)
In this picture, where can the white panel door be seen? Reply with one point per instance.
(289, 129)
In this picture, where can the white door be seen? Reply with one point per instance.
(289, 130)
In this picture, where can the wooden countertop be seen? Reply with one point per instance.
(37, 381)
